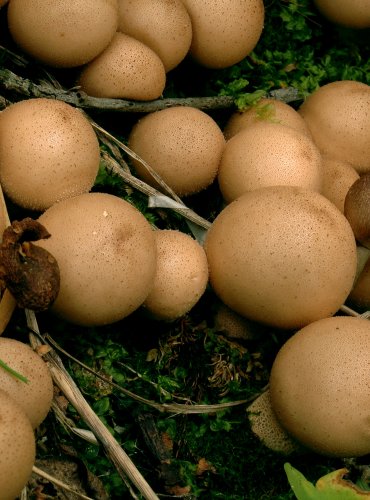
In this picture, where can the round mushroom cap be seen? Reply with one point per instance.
(182, 144)
(267, 428)
(35, 396)
(349, 13)
(338, 116)
(63, 33)
(126, 69)
(224, 31)
(106, 254)
(155, 23)
(266, 110)
(283, 256)
(18, 448)
(235, 326)
(319, 386)
(48, 152)
(268, 154)
(357, 209)
(338, 177)
(181, 277)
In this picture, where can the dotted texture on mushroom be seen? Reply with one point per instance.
(106, 253)
(36, 395)
(266, 110)
(319, 386)
(18, 449)
(338, 116)
(268, 154)
(267, 428)
(338, 177)
(126, 69)
(224, 31)
(182, 144)
(357, 209)
(63, 33)
(48, 152)
(283, 256)
(181, 276)
(349, 13)
(162, 25)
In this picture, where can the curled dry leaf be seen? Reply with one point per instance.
(29, 272)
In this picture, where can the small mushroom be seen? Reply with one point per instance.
(337, 115)
(268, 154)
(319, 386)
(29, 272)
(357, 209)
(126, 69)
(350, 13)
(181, 276)
(18, 448)
(154, 23)
(267, 428)
(338, 177)
(35, 395)
(269, 110)
(182, 144)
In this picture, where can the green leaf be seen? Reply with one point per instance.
(13, 372)
(332, 486)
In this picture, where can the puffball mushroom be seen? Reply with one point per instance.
(224, 31)
(48, 152)
(35, 395)
(126, 69)
(64, 33)
(338, 177)
(281, 255)
(106, 253)
(349, 13)
(319, 386)
(182, 144)
(267, 428)
(268, 154)
(338, 115)
(181, 277)
(266, 110)
(18, 448)
(357, 209)
(156, 23)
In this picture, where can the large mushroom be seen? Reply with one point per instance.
(319, 386)
(106, 254)
(48, 152)
(282, 255)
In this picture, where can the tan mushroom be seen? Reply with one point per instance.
(48, 152)
(155, 23)
(282, 255)
(63, 34)
(18, 448)
(34, 396)
(319, 386)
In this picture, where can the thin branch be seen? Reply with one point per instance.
(59, 483)
(163, 407)
(64, 381)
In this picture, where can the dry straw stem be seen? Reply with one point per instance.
(66, 384)
(56, 481)
(177, 408)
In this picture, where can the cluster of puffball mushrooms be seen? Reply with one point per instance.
(289, 248)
